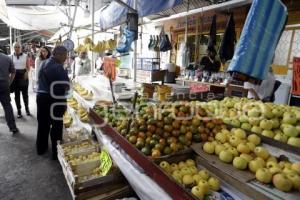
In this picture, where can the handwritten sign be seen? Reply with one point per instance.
(296, 76)
(199, 87)
(106, 162)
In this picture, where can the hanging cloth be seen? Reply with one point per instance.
(213, 33)
(228, 42)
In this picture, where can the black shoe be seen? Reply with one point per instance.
(19, 116)
(15, 130)
(28, 113)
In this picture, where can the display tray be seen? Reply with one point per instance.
(242, 180)
(149, 167)
(92, 187)
(272, 142)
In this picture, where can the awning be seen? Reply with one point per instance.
(115, 14)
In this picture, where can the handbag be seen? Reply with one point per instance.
(126, 40)
(165, 44)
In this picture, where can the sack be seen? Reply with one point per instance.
(126, 40)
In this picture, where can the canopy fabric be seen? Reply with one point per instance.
(115, 14)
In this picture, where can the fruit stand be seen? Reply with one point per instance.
(203, 141)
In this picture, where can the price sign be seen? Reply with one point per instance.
(106, 162)
(199, 87)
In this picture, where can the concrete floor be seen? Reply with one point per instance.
(23, 174)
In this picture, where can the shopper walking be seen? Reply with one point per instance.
(21, 82)
(51, 100)
(7, 74)
(44, 53)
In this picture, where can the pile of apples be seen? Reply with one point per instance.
(234, 147)
(187, 174)
(77, 160)
(77, 147)
(280, 122)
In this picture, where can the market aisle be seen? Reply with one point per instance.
(23, 174)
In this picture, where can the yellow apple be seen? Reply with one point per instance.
(204, 174)
(193, 170)
(240, 133)
(254, 165)
(261, 152)
(243, 148)
(190, 162)
(247, 157)
(296, 167)
(219, 148)
(174, 167)
(295, 178)
(177, 173)
(226, 156)
(165, 166)
(214, 184)
(181, 165)
(227, 145)
(185, 171)
(204, 185)
(240, 163)
(289, 171)
(209, 148)
(188, 180)
(282, 182)
(198, 192)
(274, 170)
(251, 146)
(253, 138)
(272, 158)
(263, 175)
(197, 178)
(268, 133)
(270, 164)
(234, 141)
(294, 141)
(233, 151)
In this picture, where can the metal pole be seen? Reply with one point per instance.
(93, 35)
(10, 40)
(135, 50)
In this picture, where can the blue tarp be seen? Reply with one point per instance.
(259, 38)
(115, 14)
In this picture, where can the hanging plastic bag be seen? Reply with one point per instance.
(126, 40)
(165, 44)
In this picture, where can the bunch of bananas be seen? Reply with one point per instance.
(87, 95)
(72, 102)
(83, 114)
(67, 119)
(105, 45)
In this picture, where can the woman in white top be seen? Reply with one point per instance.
(21, 82)
(43, 55)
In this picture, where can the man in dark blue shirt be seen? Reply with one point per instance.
(51, 100)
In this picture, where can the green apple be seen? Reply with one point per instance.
(243, 148)
(281, 138)
(214, 184)
(177, 173)
(221, 137)
(253, 138)
(251, 146)
(165, 166)
(198, 192)
(282, 182)
(226, 120)
(226, 156)
(247, 157)
(234, 141)
(244, 119)
(261, 152)
(193, 170)
(295, 178)
(263, 175)
(233, 151)
(197, 178)
(240, 133)
(185, 171)
(275, 123)
(289, 118)
(294, 141)
(204, 174)
(290, 131)
(256, 129)
(266, 111)
(240, 163)
(254, 112)
(190, 162)
(266, 124)
(268, 133)
(209, 147)
(235, 123)
(246, 126)
(277, 131)
(277, 112)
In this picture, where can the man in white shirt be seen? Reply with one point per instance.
(82, 65)
(262, 91)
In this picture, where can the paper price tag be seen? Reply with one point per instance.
(106, 162)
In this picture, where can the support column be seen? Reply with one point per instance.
(93, 35)
(135, 50)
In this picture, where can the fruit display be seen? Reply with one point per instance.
(74, 134)
(188, 175)
(163, 129)
(280, 122)
(83, 114)
(72, 148)
(87, 95)
(234, 147)
(67, 120)
(72, 102)
(76, 160)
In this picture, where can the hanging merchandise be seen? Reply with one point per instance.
(126, 40)
(165, 44)
(213, 33)
(258, 41)
(151, 42)
(133, 23)
(228, 42)
(109, 68)
(157, 42)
